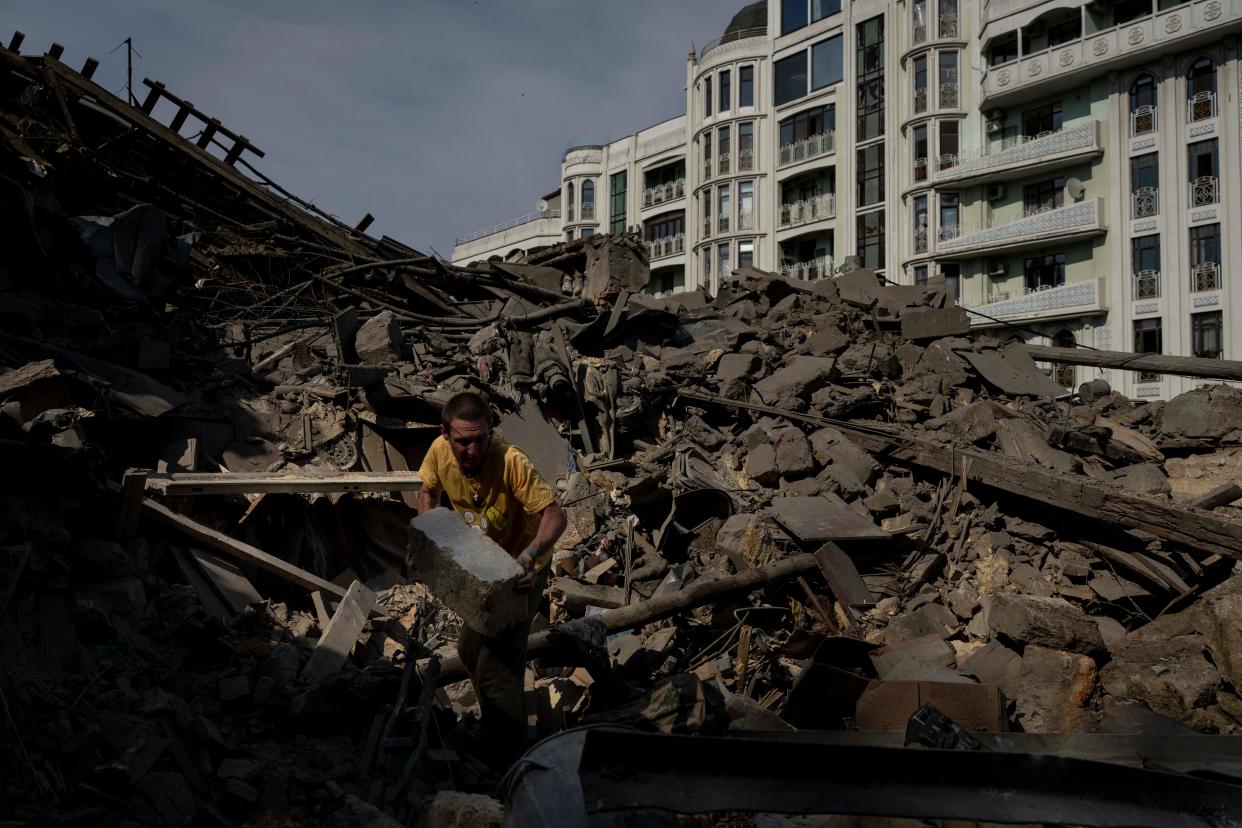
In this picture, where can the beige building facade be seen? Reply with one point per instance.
(1069, 169)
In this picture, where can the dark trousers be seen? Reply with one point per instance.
(497, 667)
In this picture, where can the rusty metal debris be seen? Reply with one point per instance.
(213, 397)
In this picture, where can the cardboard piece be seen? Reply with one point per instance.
(888, 705)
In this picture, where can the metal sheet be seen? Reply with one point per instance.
(822, 518)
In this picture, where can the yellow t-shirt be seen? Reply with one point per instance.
(504, 500)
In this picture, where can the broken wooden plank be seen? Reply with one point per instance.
(180, 484)
(322, 615)
(1225, 369)
(132, 485)
(213, 604)
(234, 587)
(338, 639)
(1220, 496)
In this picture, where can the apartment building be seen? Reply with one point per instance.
(1061, 165)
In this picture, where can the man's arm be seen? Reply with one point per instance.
(552, 523)
(427, 500)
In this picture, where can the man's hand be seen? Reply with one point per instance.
(527, 561)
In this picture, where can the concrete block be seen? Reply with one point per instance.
(793, 454)
(1053, 691)
(801, 376)
(467, 571)
(737, 366)
(761, 465)
(379, 340)
(933, 323)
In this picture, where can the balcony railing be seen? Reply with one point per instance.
(948, 95)
(808, 210)
(664, 192)
(746, 220)
(1145, 202)
(1032, 229)
(1045, 301)
(920, 169)
(588, 212)
(722, 163)
(707, 227)
(569, 213)
(1201, 107)
(722, 224)
(949, 232)
(1205, 276)
(920, 240)
(1203, 191)
(666, 246)
(918, 33)
(920, 100)
(707, 167)
(497, 228)
(817, 268)
(806, 148)
(1147, 284)
(1143, 120)
(948, 25)
(1021, 151)
(745, 160)
(736, 34)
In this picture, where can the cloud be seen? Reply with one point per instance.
(438, 117)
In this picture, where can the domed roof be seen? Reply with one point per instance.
(754, 16)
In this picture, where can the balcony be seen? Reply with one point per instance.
(805, 149)
(808, 210)
(948, 95)
(1023, 155)
(1147, 284)
(1074, 299)
(1201, 107)
(1178, 28)
(948, 25)
(508, 225)
(1060, 223)
(745, 160)
(817, 268)
(1204, 191)
(1205, 276)
(1143, 121)
(1145, 202)
(664, 192)
(667, 246)
(588, 212)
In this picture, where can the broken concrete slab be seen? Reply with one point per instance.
(1046, 622)
(1054, 691)
(793, 454)
(803, 375)
(378, 341)
(761, 465)
(737, 366)
(994, 663)
(927, 620)
(822, 518)
(1204, 412)
(920, 324)
(466, 570)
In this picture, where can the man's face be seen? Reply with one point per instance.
(470, 441)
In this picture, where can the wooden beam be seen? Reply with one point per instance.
(342, 631)
(181, 484)
(1221, 495)
(132, 485)
(1222, 369)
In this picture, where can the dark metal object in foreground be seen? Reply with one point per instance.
(785, 775)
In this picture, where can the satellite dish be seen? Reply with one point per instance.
(542, 205)
(1075, 188)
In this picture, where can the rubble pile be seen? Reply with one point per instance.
(791, 505)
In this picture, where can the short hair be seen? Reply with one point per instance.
(467, 406)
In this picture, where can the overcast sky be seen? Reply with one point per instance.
(439, 117)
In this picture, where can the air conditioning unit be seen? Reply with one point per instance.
(997, 191)
(997, 269)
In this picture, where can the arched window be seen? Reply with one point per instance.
(588, 195)
(1143, 105)
(569, 200)
(1201, 90)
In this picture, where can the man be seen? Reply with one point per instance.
(495, 488)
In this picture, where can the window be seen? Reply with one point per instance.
(870, 68)
(722, 209)
(1203, 159)
(723, 145)
(920, 83)
(870, 36)
(948, 80)
(569, 235)
(1066, 30)
(952, 273)
(707, 96)
(1206, 335)
(1042, 119)
(947, 14)
(790, 78)
(918, 21)
(707, 267)
(722, 260)
(1043, 196)
(816, 121)
(667, 280)
(1205, 257)
(746, 253)
(616, 209)
(870, 175)
(1003, 49)
(948, 144)
(665, 226)
(920, 224)
(950, 214)
(588, 199)
(664, 174)
(920, 275)
(745, 146)
(1125, 11)
(569, 200)
(1147, 340)
(920, 152)
(1142, 105)
(1045, 271)
(823, 8)
(1063, 375)
(871, 240)
(1144, 172)
(746, 86)
(1201, 90)
(870, 109)
(746, 205)
(793, 15)
(826, 58)
(1145, 265)
(586, 231)
(726, 91)
(707, 154)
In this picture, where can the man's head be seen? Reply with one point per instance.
(466, 423)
